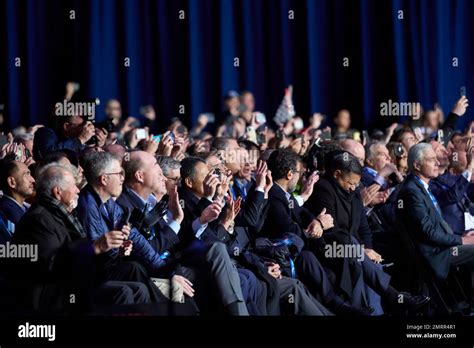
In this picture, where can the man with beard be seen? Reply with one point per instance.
(17, 185)
(66, 262)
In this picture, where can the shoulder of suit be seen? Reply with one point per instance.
(323, 185)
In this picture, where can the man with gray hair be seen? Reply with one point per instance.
(99, 213)
(378, 167)
(419, 212)
(171, 170)
(66, 262)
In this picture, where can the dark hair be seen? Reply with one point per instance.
(397, 135)
(221, 143)
(316, 155)
(248, 145)
(188, 167)
(53, 157)
(343, 161)
(7, 168)
(281, 161)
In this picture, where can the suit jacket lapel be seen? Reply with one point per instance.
(432, 208)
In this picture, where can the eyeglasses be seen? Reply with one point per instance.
(121, 173)
(175, 180)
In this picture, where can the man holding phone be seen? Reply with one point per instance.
(71, 132)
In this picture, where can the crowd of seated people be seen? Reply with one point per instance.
(255, 217)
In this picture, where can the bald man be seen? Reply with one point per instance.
(117, 150)
(355, 148)
(143, 179)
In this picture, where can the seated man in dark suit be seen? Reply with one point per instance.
(145, 186)
(65, 260)
(421, 215)
(99, 213)
(334, 194)
(143, 182)
(203, 192)
(17, 185)
(286, 214)
(452, 191)
(239, 238)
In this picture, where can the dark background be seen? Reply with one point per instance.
(190, 61)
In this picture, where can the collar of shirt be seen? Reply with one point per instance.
(241, 182)
(24, 207)
(138, 196)
(425, 185)
(288, 195)
(151, 200)
(371, 171)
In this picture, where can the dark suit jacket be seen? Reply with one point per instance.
(193, 207)
(349, 218)
(251, 214)
(451, 192)
(350, 222)
(11, 210)
(10, 213)
(283, 216)
(165, 237)
(65, 257)
(429, 231)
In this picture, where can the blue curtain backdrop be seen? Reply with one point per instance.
(190, 61)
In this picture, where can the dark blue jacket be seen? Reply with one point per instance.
(5, 231)
(165, 237)
(46, 140)
(11, 209)
(451, 192)
(98, 218)
(12, 213)
(283, 217)
(368, 178)
(429, 231)
(251, 216)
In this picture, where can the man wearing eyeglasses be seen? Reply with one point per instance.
(99, 213)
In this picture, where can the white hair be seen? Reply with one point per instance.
(51, 176)
(417, 154)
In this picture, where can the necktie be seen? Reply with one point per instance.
(434, 201)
